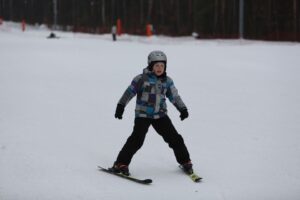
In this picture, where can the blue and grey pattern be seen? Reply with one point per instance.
(151, 94)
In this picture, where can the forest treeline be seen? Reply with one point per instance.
(262, 19)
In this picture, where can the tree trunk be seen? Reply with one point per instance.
(223, 17)
(177, 8)
(142, 12)
(113, 12)
(295, 19)
(150, 6)
(103, 13)
(216, 16)
(190, 15)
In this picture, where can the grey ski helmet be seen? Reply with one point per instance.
(156, 56)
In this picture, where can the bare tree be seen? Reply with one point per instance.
(141, 12)
(103, 19)
(150, 6)
(295, 19)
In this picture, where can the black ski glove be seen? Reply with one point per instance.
(119, 111)
(184, 114)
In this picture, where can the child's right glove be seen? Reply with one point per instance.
(119, 111)
(184, 114)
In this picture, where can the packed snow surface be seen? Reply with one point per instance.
(57, 104)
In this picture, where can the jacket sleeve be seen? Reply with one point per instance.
(131, 91)
(173, 96)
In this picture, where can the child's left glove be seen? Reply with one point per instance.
(184, 114)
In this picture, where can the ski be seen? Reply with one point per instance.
(131, 178)
(193, 175)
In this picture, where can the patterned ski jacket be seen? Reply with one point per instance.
(151, 94)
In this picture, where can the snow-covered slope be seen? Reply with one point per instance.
(57, 103)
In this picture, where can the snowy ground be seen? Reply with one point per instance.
(58, 97)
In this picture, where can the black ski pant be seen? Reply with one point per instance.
(163, 127)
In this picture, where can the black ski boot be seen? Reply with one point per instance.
(120, 168)
(188, 167)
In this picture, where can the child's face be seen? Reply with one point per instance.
(158, 68)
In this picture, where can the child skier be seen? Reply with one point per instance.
(151, 88)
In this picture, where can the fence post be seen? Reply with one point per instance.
(23, 25)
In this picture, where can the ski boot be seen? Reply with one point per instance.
(187, 167)
(120, 168)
